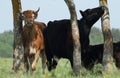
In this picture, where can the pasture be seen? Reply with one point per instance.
(63, 70)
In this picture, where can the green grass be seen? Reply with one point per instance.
(63, 70)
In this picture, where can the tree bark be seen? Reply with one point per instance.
(18, 49)
(76, 38)
(108, 41)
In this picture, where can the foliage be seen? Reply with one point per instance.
(96, 36)
(6, 44)
(116, 35)
(63, 70)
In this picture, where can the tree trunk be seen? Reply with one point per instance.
(75, 34)
(18, 45)
(108, 41)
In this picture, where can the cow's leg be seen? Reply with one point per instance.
(44, 61)
(52, 62)
(37, 55)
(55, 62)
(71, 62)
(49, 58)
(26, 64)
(49, 63)
(31, 59)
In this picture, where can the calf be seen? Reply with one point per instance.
(33, 40)
(95, 54)
(58, 37)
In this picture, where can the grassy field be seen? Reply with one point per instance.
(63, 70)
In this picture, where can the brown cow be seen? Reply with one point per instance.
(33, 40)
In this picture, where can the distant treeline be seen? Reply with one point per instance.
(96, 36)
(6, 44)
(6, 40)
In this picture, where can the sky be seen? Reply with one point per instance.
(51, 10)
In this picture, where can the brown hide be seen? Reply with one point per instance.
(33, 41)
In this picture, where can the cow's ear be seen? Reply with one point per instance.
(36, 13)
(82, 13)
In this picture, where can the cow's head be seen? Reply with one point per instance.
(29, 16)
(92, 15)
(89, 17)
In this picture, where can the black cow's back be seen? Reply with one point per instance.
(57, 37)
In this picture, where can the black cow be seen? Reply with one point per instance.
(58, 37)
(94, 55)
